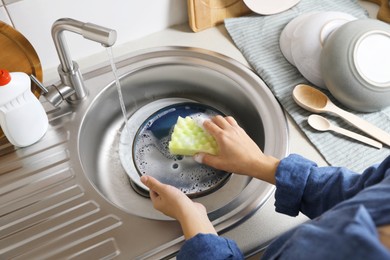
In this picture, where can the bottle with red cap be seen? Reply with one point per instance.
(22, 117)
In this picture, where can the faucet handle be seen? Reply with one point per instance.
(58, 93)
(39, 84)
(55, 94)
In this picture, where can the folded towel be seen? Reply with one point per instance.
(257, 37)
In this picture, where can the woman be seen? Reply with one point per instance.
(350, 212)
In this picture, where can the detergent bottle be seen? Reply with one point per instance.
(22, 117)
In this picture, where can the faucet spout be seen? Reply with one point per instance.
(69, 71)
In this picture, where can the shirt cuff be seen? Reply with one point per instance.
(209, 246)
(291, 178)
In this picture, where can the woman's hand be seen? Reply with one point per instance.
(238, 153)
(174, 203)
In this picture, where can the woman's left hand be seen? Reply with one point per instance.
(174, 203)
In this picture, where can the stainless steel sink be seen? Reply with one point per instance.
(69, 196)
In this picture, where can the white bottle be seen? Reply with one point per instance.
(22, 117)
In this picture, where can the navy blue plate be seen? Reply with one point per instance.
(151, 154)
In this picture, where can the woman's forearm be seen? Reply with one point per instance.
(193, 223)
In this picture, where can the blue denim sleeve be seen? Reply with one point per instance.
(209, 246)
(303, 186)
(345, 233)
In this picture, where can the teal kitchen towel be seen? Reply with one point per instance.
(257, 37)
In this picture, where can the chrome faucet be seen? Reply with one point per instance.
(72, 86)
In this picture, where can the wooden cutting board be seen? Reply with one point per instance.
(203, 14)
(18, 55)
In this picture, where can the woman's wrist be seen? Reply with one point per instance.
(194, 222)
(265, 168)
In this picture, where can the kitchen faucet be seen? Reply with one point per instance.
(72, 86)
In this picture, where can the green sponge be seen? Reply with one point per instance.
(188, 138)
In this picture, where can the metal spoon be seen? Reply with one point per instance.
(315, 101)
(322, 124)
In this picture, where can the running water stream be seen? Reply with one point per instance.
(119, 89)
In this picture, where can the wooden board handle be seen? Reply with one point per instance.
(204, 14)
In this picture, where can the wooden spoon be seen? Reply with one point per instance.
(320, 123)
(315, 101)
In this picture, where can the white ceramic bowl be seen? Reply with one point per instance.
(267, 7)
(355, 64)
(287, 35)
(302, 39)
(308, 40)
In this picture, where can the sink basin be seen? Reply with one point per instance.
(179, 73)
(89, 134)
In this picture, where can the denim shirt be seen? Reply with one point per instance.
(345, 208)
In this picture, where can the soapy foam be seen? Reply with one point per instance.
(182, 172)
(199, 119)
(191, 176)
